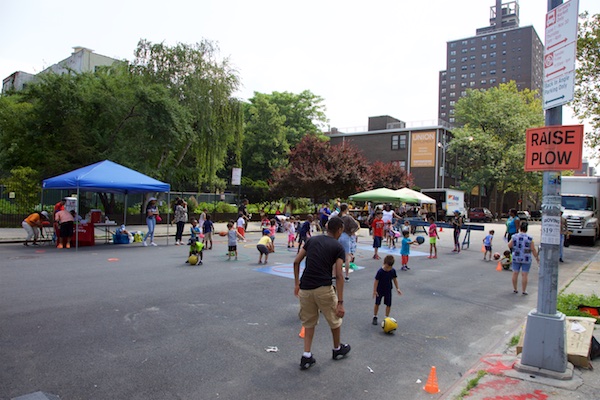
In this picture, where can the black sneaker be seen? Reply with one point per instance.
(347, 279)
(307, 362)
(374, 320)
(344, 349)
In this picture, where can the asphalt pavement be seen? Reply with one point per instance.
(132, 322)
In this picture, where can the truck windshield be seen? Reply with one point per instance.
(582, 203)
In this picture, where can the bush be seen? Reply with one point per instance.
(568, 303)
(192, 203)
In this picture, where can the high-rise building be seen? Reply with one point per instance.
(499, 53)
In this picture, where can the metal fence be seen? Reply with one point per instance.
(17, 202)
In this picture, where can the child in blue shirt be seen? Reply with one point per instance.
(487, 242)
(405, 249)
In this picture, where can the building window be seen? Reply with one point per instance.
(472, 83)
(472, 58)
(452, 77)
(492, 54)
(443, 114)
(443, 98)
(451, 120)
(472, 66)
(492, 63)
(463, 76)
(483, 73)
(483, 39)
(443, 90)
(463, 93)
(452, 102)
(463, 68)
(465, 42)
(503, 70)
(472, 75)
(444, 82)
(452, 94)
(453, 86)
(453, 53)
(452, 60)
(463, 50)
(483, 65)
(395, 140)
(484, 56)
(492, 72)
(492, 37)
(403, 141)
(400, 163)
(493, 46)
(453, 69)
(483, 81)
(463, 84)
(453, 45)
(464, 59)
(484, 47)
(492, 81)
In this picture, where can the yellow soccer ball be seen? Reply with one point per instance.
(389, 325)
(193, 260)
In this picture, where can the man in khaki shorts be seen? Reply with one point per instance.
(323, 254)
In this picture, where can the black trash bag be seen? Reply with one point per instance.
(595, 350)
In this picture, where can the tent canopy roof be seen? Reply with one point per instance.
(383, 194)
(106, 176)
(422, 198)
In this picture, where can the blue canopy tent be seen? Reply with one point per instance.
(109, 177)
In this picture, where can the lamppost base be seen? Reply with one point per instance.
(544, 345)
(546, 373)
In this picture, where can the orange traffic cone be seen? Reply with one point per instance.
(441, 229)
(499, 266)
(301, 334)
(431, 386)
(483, 250)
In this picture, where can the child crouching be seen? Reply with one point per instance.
(196, 247)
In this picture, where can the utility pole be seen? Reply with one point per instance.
(544, 345)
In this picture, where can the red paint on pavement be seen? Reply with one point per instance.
(507, 385)
(496, 368)
(536, 395)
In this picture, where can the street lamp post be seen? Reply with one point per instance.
(444, 146)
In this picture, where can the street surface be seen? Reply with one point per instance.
(133, 322)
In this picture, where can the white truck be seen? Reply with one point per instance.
(447, 201)
(579, 199)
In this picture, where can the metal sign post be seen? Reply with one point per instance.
(544, 344)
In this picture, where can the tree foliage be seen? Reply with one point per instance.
(586, 103)
(389, 175)
(489, 148)
(171, 115)
(204, 85)
(274, 123)
(319, 171)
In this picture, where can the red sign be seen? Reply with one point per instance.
(554, 148)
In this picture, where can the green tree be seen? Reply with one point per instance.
(24, 182)
(304, 113)
(265, 144)
(586, 103)
(274, 123)
(489, 148)
(204, 85)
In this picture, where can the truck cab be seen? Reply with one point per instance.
(579, 200)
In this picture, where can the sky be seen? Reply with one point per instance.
(363, 58)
